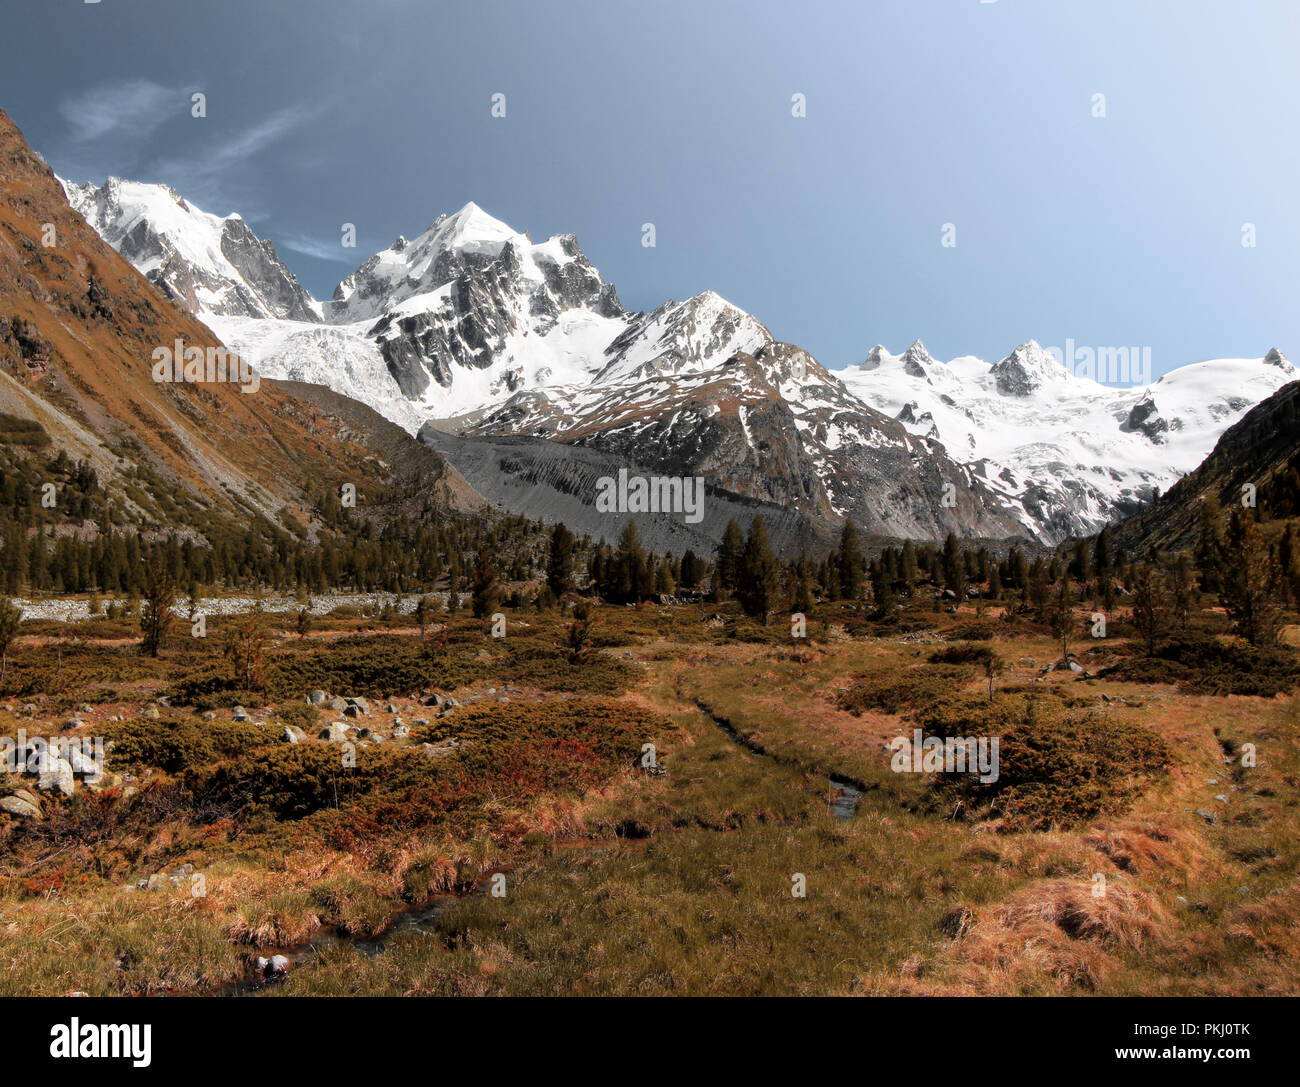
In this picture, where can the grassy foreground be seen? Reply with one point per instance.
(1119, 852)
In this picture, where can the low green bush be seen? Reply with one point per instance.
(1204, 664)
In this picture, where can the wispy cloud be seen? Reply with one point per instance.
(212, 172)
(127, 111)
(314, 247)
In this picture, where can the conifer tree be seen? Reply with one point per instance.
(1062, 615)
(1250, 577)
(691, 570)
(11, 618)
(156, 612)
(759, 580)
(803, 593)
(909, 565)
(486, 588)
(850, 562)
(727, 567)
(559, 560)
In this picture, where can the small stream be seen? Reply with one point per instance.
(845, 795)
(419, 919)
(845, 792)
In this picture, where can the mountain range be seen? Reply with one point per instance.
(78, 329)
(496, 350)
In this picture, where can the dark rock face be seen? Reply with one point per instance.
(575, 283)
(1027, 368)
(1145, 418)
(478, 303)
(554, 482)
(823, 456)
(255, 259)
(255, 284)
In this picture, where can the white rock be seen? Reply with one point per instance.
(16, 805)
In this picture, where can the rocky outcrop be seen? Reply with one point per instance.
(206, 264)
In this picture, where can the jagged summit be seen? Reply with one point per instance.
(475, 326)
(1027, 369)
(210, 264)
(469, 244)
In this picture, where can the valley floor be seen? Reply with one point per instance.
(503, 828)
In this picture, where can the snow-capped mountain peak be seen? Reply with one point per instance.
(1072, 453)
(682, 337)
(1027, 369)
(471, 229)
(917, 361)
(874, 358)
(211, 264)
(1274, 357)
(474, 326)
(471, 244)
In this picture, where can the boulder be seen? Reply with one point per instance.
(317, 698)
(55, 774)
(292, 735)
(16, 805)
(274, 967)
(336, 732)
(239, 714)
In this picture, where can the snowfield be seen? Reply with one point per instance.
(1106, 447)
(473, 326)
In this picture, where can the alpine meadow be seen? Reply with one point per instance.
(430, 618)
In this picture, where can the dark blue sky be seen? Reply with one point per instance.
(1123, 230)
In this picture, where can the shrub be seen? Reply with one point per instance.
(555, 670)
(894, 691)
(963, 654)
(1059, 769)
(299, 714)
(978, 630)
(1203, 664)
(374, 667)
(178, 745)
